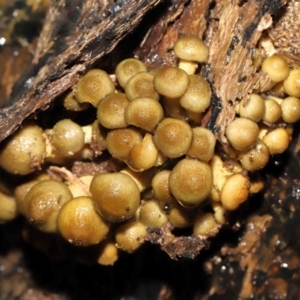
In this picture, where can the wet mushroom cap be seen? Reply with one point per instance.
(290, 107)
(252, 107)
(191, 182)
(191, 47)
(242, 133)
(173, 137)
(292, 83)
(80, 224)
(23, 152)
(94, 86)
(116, 196)
(272, 111)
(277, 140)
(276, 68)
(171, 82)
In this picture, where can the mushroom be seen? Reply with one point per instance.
(272, 111)
(43, 203)
(110, 111)
(292, 83)
(161, 188)
(116, 196)
(141, 85)
(128, 68)
(144, 113)
(290, 108)
(205, 225)
(80, 224)
(275, 67)
(252, 107)
(190, 49)
(181, 217)
(197, 97)
(23, 152)
(191, 181)
(94, 86)
(171, 82)
(130, 236)
(108, 253)
(173, 137)
(242, 133)
(152, 216)
(235, 191)
(277, 140)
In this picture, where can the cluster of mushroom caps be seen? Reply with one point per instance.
(173, 175)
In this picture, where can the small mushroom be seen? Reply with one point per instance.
(272, 111)
(80, 224)
(116, 196)
(277, 140)
(292, 83)
(252, 107)
(94, 86)
(276, 67)
(290, 108)
(205, 225)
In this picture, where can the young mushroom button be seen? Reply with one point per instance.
(116, 196)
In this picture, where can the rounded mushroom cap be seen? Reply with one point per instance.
(197, 97)
(23, 152)
(152, 216)
(94, 86)
(145, 113)
(205, 225)
(292, 83)
(43, 203)
(128, 68)
(71, 103)
(235, 191)
(80, 224)
(290, 107)
(110, 112)
(255, 158)
(272, 111)
(171, 82)
(67, 137)
(116, 196)
(181, 217)
(242, 133)
(8, 208)
(160, 186)
(140, 86)
(203, 144)
(121, 141)
(191, 182)
(190, 47)
(108, 253)
(173, 137)
(277, 140)
(130, 236)
(252, 108)
(275, 67)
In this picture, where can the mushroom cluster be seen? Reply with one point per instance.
(172, 171)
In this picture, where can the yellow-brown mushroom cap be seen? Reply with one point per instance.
(191, 181)
(128, 68)
(140, 86)
(290, 107)
(116, 196)
(272, 111)
(171, 82)
(23, 152)
(160, 186)
(173, 137)
(277, 140)
(191, 47)
(197, 97)
(205, 225)
(145, 113)
(242, 133)
(292, 83)
(276, 67)
(94, 86)
(252, 107)
(110, 111)
(80, 224)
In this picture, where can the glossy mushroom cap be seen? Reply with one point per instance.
(116, 196)
(43, 203)
(161, 189)
(276, 67)
(171, 82)
(292, 83)
(290, 108)
(94, 86)
(80, 224)
(252, 107)
(144, 113)
(121, 141)
(191, 182)
(173, 137)
(128, 68)
(67, 137)
(140, 86)
(197, 97)
(205, 225)
(272, 111)
(190, 47)
(23, 152)
(277, 140)
(110, 112)
(242, 133)
(130, 236)
(203, 144)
